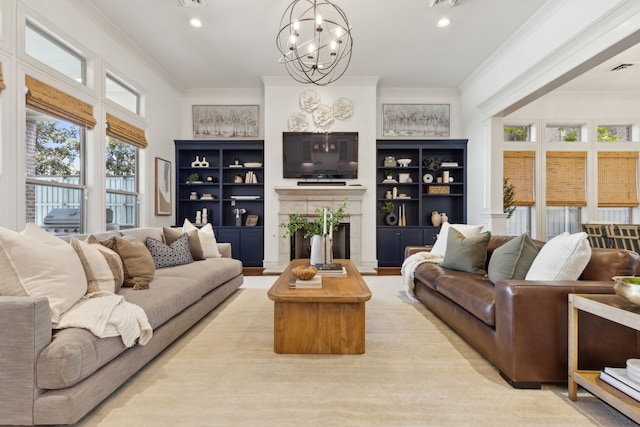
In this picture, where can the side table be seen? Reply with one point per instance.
(617, 310)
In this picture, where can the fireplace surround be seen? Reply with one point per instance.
(306, 199)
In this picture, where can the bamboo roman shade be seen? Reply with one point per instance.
(125, 132)
(2, 85)
(519, 167)
(617, 176)
(49, 100)
(566, 183)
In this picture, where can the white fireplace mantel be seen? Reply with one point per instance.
(305, 200)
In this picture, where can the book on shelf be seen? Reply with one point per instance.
(448, 164)
(618, 378)
(314, 283)
(245, 197)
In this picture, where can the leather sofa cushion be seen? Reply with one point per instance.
(472, 292)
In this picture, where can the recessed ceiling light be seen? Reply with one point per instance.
(444, 22)
(195, 23)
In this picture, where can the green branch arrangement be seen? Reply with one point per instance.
(298, 222)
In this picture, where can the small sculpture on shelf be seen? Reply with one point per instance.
(388, 209)
(197, 163)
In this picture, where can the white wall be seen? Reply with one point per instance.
(100, 44)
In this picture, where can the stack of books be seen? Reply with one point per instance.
(314, 283)
(627, 380)
(334, 272)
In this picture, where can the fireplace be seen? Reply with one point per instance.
(301, 247)
(304, 200)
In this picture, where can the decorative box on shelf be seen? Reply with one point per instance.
(438, 189)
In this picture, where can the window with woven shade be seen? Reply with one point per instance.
(123, 131)
(519, 168)
(49, 100)
(617, 179)
(566, 183)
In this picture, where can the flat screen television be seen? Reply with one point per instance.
(330, 155)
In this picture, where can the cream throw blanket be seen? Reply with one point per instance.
(108, 315)
(409, 267)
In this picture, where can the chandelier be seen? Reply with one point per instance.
(314, 41)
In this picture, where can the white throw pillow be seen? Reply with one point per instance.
(467, 230)
(207, 239)
(41, 265)
(99, 275)
(562, 258)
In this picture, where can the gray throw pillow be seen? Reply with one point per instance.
(513, 259)
(466, 253)
(164, 255)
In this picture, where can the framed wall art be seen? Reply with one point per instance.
(163, 202)
(415, 120)
(225, 121)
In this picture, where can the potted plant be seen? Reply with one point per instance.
(388, 208)
(192, 178)
(388, 173)
(508, 193)
(315, 227)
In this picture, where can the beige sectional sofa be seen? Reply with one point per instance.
(57, 376)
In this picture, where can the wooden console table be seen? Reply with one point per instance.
(330, 320)
(617, 310)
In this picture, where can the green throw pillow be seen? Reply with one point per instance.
(513, 259)
(466, 253)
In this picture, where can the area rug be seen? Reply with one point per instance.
(415, 372)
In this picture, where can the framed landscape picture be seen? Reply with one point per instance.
(225, 121)
(415, 120)
(163, 187)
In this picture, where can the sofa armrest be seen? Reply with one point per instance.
(26, 331)
(410, 250)
(225, 249)
(532, 326)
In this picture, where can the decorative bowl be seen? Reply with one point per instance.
(253, 165)
(404, 162)
(628, 288)
(305, 273)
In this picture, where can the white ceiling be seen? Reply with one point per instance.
(396, 40)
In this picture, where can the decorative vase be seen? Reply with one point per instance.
(444, 218)
(391, 219)
(436, 219)
(317, 252)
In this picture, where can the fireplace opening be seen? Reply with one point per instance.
(301, 247)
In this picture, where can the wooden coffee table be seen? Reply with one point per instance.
(330, 320)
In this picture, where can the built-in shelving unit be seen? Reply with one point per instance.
(230, 177)
(418, 192)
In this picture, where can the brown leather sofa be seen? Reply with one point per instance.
(521, 326)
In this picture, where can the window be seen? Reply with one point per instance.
(55, 173)
(564, 133)
(54, 53)
(122, 184)
(565, 189)
(518, 133)
(519, 172)
(614, 133)
(122, 94)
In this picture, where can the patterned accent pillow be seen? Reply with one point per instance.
(164, 255)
